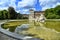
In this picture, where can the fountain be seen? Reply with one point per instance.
(24, 27)
(21, 28)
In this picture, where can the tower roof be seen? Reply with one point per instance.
(31, 10)
(39, 11)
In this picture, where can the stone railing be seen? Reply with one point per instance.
(6, 35)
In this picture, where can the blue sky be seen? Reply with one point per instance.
(23, 6)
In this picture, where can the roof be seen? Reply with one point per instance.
(31, 10)
(39, 11)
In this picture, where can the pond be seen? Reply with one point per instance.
(13, 24)
(49, 30)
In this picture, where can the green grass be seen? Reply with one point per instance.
(46, 31)
(53, 25)
(39, 30)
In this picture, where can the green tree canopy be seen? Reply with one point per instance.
(53, 13)
(12, 12)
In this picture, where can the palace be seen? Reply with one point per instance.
(37, 16)
(36, 13)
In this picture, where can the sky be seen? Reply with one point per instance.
(23, 6)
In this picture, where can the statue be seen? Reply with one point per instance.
(41, 18)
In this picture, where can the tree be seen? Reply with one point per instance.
(1, 15)
(12, 13)
(53, 13)
(5, 12)
(57, 10)
(19, 16)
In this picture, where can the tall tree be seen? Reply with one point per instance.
(12, 12)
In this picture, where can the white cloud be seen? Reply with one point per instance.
(4, 4)
(12, 3)
(2, 8)
(25, 3)
(25, 11)
(23, 6)
(45, 4)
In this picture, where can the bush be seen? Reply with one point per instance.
(12, 29)
(25, 17)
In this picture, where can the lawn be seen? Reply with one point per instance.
(48, 30)
(53, 25)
